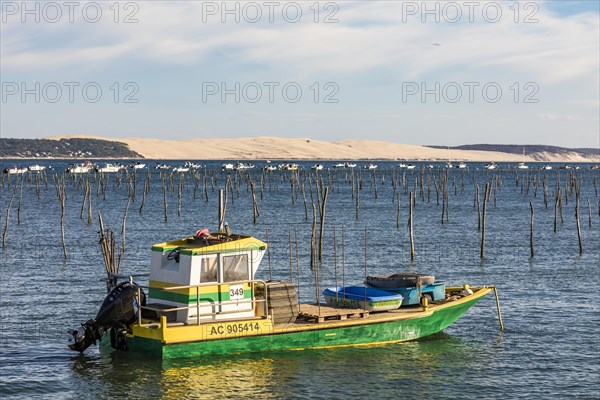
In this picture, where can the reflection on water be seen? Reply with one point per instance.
(420, 367)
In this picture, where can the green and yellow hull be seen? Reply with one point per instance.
(256, 335)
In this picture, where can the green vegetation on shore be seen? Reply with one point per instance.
(65, 148)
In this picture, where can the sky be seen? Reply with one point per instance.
(415, 72)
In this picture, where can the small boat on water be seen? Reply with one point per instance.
(160, 166)
(203, 298)
(192, 165)
(522, 165)
(109, 168)
(14, 170)
(81, 168)
(137, 165)
(547, 167)
(227, 166)
(461, 165)
(181, 170)
(240, 166)
(317, 167)
(370, 166)
(491, 166)
(36, 168)
(270, 168)
(363, 297)
(288, 167)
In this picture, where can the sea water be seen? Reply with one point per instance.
(550, 347)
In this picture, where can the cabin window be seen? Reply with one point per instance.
(235, 268)
(209, 269)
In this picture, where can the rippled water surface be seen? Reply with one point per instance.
(550, 348)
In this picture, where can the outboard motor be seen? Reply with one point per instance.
(118, 311)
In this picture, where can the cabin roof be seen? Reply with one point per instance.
(217, 243)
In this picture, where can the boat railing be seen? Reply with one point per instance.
(253, 300)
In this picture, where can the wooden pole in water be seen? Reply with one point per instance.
(498, 309)
(365, 299)
(179, 189)
(357, 199)
(61, 193)
(343, 263)
(531, 230)
(122, 251)
(20, 201)
(589, 213)
(555, 211)
(322, 224)
(485, 201)
(164, 187)
(335, 261)
(269, 256)
(291, 264)
(577, 219)
(89, 202)
(312, 237)
(297, 270)
(221, 211)
(398, 212)
(478, 209)
(8, 214)
(410, 227)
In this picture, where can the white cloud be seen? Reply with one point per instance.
(557, 117)
(369, 35)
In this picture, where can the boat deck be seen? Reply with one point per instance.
(315, 314)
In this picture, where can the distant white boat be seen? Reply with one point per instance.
(547, 167)
(401, 165)
(80, 168)
(191, 165)
(137, 165)
(270, 168)
(370, 166)
(522, 165)
(350, 165)
(162, 166)
(449, 165)
(181, 169)
(429, 166)
(491, 166)
(109, 168)
(15, 170)
(288, 167)
(36, 168)
(339, 165)
(317, 167)
(227, 166)
(410, 167)
(461, 165)
(241, 165)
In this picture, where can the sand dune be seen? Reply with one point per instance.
(275, 148)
